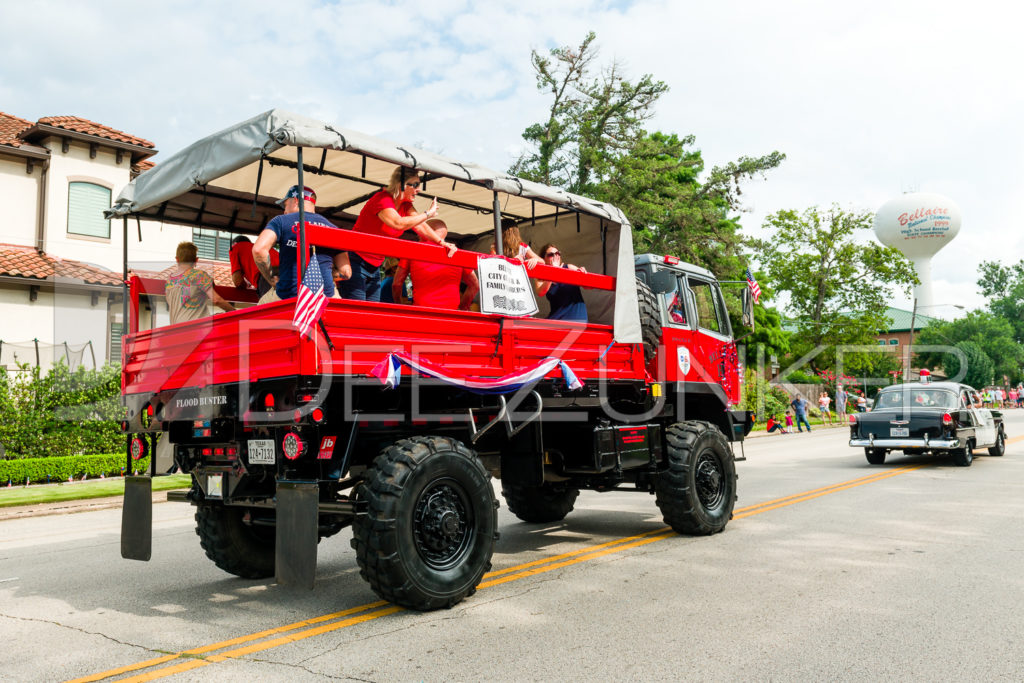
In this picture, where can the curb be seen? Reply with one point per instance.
(70, 506)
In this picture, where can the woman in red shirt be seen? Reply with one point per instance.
(380, 216)
(434, 284)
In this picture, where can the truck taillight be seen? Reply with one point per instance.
(268, 402)
(947, 419)
(138, 448)
(291, 445)
(317, 415)
(671, 260)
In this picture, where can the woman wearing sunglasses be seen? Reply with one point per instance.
(566, 300)
(389, 213)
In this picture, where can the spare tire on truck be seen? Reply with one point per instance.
(543, 504)
(650, 319)
(428, 534)
(234, 543)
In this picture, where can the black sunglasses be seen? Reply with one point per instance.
(552, 253)
(413, 183)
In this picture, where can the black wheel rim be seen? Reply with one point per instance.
(709, 480)
(443, 524)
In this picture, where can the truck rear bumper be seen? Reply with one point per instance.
(906, 443)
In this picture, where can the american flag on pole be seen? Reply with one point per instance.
(311, 301)
(755, 289)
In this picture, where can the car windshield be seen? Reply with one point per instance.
(911, 398)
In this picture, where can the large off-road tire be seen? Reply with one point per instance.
(697, 490)
(245, 550)
(428, 534)
(549, 502)
(650, 320)
(963, 457)
(999, 449)
(875, 456)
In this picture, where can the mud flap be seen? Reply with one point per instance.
(297, 533)
(137, 519)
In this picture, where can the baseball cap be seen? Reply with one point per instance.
(293, 191)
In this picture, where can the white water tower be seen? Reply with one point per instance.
(918, 224)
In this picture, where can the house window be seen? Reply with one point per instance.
(881, 342)
(211, 244)
(115, 342)
(86, 204)
(894, 342)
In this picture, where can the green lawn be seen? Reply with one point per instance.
(96, 488)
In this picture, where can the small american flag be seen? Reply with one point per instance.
(311, 301)
(755, 288)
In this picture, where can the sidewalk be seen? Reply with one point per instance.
(69, 506)
(758, 433)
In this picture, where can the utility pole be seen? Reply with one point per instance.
(910, 344)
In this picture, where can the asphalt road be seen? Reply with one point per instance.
(831, 569)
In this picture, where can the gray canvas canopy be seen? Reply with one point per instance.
(213, 184)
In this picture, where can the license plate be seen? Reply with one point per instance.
(261, 452)
(899, 431)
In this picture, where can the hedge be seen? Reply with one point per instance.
(59, 468)
(61, 412)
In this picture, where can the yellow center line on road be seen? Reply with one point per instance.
(195, 658)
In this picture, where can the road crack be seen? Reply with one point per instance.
(79, 630)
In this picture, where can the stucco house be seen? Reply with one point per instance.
(60, 260)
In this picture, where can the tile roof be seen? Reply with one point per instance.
(142, 166)
(901, 319)
(10, 128)
(219, 270)
(80, 125)
(26, 262)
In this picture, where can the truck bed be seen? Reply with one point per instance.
(260, 343)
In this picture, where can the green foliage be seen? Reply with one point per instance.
(59, 468)
(594, 143)
(991, 334)
(837, 286)
(978, 368)
(63, 412)
(762, 397)
(1003, 286)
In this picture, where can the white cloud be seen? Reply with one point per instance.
(867, 100)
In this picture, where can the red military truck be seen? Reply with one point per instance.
(392, 418)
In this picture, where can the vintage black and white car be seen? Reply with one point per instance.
(940, 418)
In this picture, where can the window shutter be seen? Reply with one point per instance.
(86, 204)
(115, 342)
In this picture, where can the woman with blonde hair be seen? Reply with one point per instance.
(390, 213)
(513, 246)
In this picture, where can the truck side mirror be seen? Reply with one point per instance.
(748, 308)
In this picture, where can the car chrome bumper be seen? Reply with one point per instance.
(906, 443)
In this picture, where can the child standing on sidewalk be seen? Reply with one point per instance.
(789, 421)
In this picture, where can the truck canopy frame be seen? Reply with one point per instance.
(231, 180)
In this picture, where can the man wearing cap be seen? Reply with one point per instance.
(244, 273)
(283, 230)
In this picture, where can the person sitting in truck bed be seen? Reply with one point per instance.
(283, 230)
(244, 273)
(513, 246)
(566, 300)
(190, 291)
(434, 284)
(380, 216)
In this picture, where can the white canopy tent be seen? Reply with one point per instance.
(231, 180)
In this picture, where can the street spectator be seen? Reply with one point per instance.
(862, 404)
(841, 397)
(774, 425)
(789, 421)
(824, 401)
(799, 405)
(189, 291)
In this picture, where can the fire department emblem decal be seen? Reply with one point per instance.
(684, 360)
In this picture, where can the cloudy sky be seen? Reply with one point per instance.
(867, 100)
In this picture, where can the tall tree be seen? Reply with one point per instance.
(837, 287)
(1003, 286)
(992, 334)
